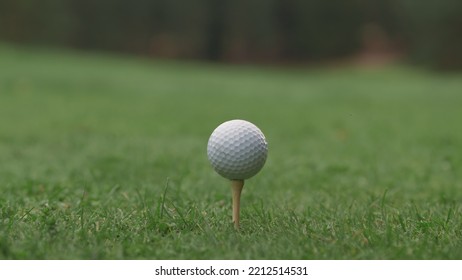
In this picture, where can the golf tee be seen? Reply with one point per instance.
(236, 186)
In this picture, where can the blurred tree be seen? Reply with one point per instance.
(215, 30)
(432, 31)
(319, 29)
(250, 30)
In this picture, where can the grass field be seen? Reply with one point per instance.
(104, 157)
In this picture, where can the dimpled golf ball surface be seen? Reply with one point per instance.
(237, 149)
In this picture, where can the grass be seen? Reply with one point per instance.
(104, 157)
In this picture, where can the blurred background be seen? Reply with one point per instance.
(424, 32)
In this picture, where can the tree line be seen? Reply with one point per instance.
(428, 31)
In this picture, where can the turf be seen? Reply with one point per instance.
(104, 157)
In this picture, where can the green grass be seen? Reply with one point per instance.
(104, 157)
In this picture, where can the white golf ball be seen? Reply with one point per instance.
(237, 149)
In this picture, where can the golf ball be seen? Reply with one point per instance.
(237, 149)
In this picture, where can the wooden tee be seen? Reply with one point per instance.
(236, 186)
